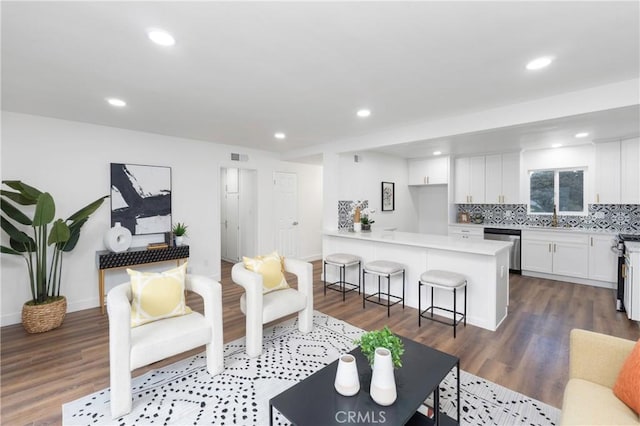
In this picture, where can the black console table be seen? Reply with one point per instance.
(133, 257)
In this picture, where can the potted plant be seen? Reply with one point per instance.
(384, 338)
(383, 350)
(365, 221)
(43, 250)
(180, 231)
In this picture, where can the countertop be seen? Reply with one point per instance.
(542, 228)
(440, 242)
(632, 246)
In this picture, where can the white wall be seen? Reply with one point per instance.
(71, 160)
(347, 180)
(432, 207)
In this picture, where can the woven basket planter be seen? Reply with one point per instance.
(41, 318)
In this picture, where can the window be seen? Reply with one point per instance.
(561, 188)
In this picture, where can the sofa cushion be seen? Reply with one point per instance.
(627, 386)
(588, 403)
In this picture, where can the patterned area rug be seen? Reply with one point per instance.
(184, 393)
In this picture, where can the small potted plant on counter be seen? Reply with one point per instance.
(365, 221)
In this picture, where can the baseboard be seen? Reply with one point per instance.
(575, 280)
(312, 258)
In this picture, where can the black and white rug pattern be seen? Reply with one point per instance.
(184, 393)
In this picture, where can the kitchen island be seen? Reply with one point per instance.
(484, 263)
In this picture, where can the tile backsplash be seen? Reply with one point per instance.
(345, 217)
(610, 217)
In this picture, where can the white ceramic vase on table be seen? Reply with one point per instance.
(383, 382)
(357, 226)
(347, 382)
(179, 240)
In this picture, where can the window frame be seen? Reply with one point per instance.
(556, 191)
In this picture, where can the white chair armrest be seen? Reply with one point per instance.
(249, 280)
(119, 310)
(304, 272)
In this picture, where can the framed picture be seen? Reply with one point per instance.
(388, 196)
(141, 198)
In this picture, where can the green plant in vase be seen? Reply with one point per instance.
(43, 250)
(384, 338)
(180, 231)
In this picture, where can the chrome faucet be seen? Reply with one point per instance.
(554, 218)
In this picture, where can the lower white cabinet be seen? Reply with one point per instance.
(603, 261)
(555, 252)
(632, 285)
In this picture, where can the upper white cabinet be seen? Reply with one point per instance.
(469, 180)
(617, 175)
(429, 171)
(502, 178)
(630, 180)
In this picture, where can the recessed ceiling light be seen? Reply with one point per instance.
(556, 145)
(364, 113)
(539, 63)
(582, 135)
(437, 152)
(279, 135)
(162, 38)
(116, 102)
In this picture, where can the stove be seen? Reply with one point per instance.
(620, 249)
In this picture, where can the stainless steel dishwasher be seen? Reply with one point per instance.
(510, 235)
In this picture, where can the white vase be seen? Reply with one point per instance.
(357, 226)
(117, 239)
(347, 382)
(383, 382)
(179, 240)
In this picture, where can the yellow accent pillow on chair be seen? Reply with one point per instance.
(271, 267)
(157, 295)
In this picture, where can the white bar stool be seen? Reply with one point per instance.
(387, 269)
(445, 280)
(342, 261)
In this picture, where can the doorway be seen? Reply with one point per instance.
(286, 212)
(238, 202)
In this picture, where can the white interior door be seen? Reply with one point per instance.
(286, 204)
(229, 208)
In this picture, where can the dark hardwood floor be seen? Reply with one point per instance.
(528, 353)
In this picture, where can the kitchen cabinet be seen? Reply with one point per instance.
(555, 252)
(429, 171)
(607, 173)
(467, 232)
(603, 261)
(502, 178)
(617, 175)
(469, 180)
(630, 171)
(632, 284)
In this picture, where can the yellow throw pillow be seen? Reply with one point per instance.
(271, 267)
(157, 295)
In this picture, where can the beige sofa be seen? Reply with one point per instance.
(594, 362)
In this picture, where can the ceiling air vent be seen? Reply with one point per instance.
(239, 157)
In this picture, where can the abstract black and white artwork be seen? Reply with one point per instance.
(141, 198)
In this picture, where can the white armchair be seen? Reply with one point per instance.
(131, 348)
(260, 308)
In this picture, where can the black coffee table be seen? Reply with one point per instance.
(314, 401)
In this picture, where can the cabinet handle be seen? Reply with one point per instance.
(471, 198)
(554, 247)
(597, 198)
(549, 247)
(591, 241)
(624, 271)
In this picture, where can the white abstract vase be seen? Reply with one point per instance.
(117, 239)
(347, 382)
(383, 382)
(179, 241)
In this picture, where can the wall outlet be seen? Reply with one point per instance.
(599, 215)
